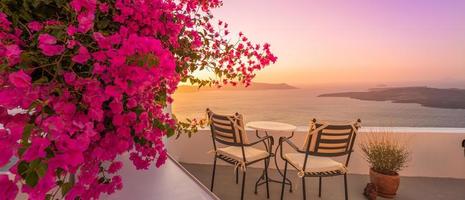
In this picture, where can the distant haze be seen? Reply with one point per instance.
(356, 42)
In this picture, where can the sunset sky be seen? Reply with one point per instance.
(355, 41)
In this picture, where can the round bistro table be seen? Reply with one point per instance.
(269, 128)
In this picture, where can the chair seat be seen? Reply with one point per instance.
(315, 165)
(235, 152)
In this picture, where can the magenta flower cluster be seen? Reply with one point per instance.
(90, 93)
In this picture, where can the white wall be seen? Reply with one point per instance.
(436, 152)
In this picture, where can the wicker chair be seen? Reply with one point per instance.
(324, 141)
(229, 131)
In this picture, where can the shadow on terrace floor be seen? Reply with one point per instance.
(333, 188)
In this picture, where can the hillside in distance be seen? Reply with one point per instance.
(253, 86)
(425, 96)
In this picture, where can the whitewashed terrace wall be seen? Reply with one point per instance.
(436, 152)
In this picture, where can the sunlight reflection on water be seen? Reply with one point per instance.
(301, 105)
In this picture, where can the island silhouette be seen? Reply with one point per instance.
(453, 98)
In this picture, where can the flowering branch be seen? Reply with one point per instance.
(94, 77)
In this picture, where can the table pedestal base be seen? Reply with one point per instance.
(265, 175)
(262, 180)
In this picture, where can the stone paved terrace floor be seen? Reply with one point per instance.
(411, 188)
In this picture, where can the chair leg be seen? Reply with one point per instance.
(237, 175)
(243, 184)
(213, 174)
(266, 178)
(319, 187)
(345, 187)
(284, 181)
(304, 188)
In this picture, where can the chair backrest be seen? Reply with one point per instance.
(331, 138)
(228, 129)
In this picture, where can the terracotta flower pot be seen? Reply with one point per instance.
(386, 185)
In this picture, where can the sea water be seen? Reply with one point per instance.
(299, 106)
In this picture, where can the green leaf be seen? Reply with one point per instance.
(49, 152)
(170, 132)
(48, 197)
(34, 164)
(59, 171)
(42, 79)
(23, 149)
(32, 179)
(35, 4)
(27, 133)
(23, 168)
(33, 106)
(47, 109)
(65, 188)
(25, 139)
(41, 169)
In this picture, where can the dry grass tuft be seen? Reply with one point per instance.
(385, 151)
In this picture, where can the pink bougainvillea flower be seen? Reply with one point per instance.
(4, 22)
(71, 44)
(13, 54)
(6, 147)
(82, 56)
(65, 108)
(52, 22)
(69, 78)
(7, 153)
(96, 114)
(39, 191)
(13, 97)
(52, 50)
(132, 103)
(71, 150)
(99, 56)
(47, 39)
(117, 182)
(83, 5)
(47, 43)
(8, 189)
(113, 91)
(103, 7)
(16, 128)
(162, 158)
(20, 79)
(116, 107)
(37, 149)
(138, 161)
(71, 30)
(86, 22)
(35, 26)
(75, 192)
(102, 41)
(104, 92)
(114, 167)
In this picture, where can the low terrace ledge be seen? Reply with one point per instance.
(436, 152)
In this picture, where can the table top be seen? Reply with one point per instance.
(270, 126)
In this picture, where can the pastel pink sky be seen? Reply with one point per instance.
(355, 41)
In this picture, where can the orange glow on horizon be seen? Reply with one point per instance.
(335, 42)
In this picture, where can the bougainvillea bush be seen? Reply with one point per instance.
(91, 78)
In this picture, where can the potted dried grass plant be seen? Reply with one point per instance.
(387, 153)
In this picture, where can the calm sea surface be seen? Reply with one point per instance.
(301, 105)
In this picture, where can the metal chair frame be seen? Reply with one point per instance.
(349, 149)
(267, 141)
